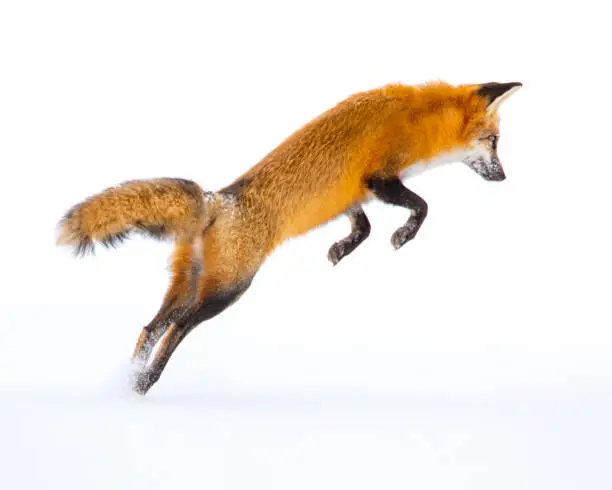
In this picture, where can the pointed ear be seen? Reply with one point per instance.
(496, 93)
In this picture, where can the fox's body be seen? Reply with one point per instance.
(357, 150)
(320, 171)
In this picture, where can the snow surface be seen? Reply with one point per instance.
(476, 357)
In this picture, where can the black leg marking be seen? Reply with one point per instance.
(210, 307)
(392, 191)
(215, 303)
(149, 375)
(154, 331)
(360, 230)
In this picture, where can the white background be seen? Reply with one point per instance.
(476, 357)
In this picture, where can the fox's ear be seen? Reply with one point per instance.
(495, 93)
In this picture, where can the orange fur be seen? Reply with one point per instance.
(159, 207)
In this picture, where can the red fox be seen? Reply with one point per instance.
(357, 150)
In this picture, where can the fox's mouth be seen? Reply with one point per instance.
(491, 170)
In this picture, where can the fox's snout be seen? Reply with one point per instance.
(490, 170)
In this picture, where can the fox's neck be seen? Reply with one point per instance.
(438, 143)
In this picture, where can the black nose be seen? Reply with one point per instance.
(498, 177)
(496, 171)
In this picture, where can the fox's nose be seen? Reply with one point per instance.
(496, 171)
(498, 176)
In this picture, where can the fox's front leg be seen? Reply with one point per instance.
(360, 230)
(391, 191)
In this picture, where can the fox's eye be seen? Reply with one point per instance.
(493, 139)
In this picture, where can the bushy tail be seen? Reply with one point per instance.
(161, 208)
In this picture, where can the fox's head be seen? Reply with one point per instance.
(483, 129)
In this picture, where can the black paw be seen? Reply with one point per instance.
(336, 252)
(404, 234)
(144, 381)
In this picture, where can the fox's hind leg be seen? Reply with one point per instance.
(180, 295)
(231, 256)
(360, 230)
(392, 191)
(213, 303)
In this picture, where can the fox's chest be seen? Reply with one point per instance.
(437, 161)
